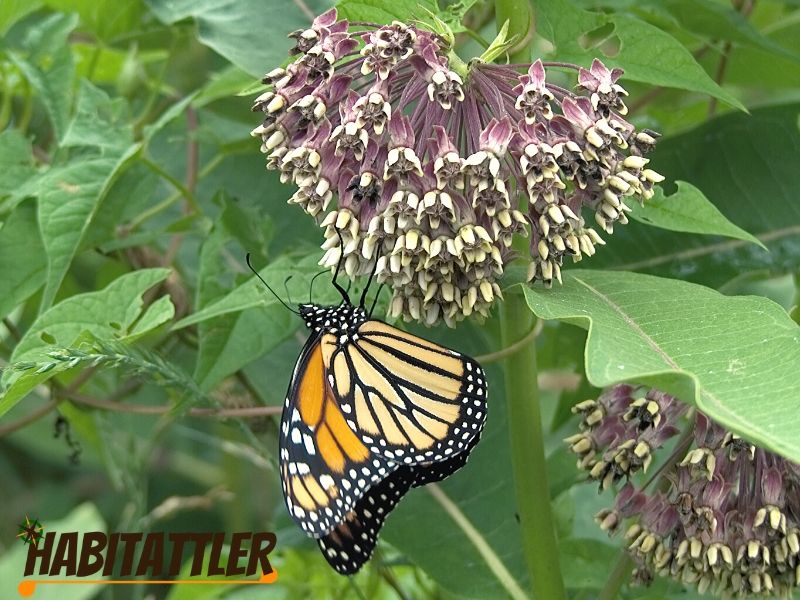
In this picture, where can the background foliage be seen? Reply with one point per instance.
(130, 190)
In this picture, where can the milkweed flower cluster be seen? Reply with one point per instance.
(426, 167)
(728, 518)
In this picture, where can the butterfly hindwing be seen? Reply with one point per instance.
(408, 399)
(325, 467)
(350, 545)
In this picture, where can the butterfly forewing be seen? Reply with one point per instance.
(325, 467)
(408, 399)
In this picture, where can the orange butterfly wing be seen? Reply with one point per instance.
(325, 467)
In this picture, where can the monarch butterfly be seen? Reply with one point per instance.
(371, 411)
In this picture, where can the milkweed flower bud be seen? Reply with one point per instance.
(433, 165)
(727, 516)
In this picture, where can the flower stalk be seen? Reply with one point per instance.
(529, 461)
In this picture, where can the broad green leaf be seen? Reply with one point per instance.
(110, 313)
(225, 83)
(721, 22)
(587, 561)
(735, 358)
(744, 164)
(13, 10)
(761, 70)
(107, 19)
(252, 293)
(249, 322)
(213, 336)
(22, 260)
(455, 12)
(229, 342)
(168, 115)
(69, 197)
(46, 62)
(71, 194)
(408, 11)
(113, 312)
(249, 33)
(646, 53)
(239, 339)
(99, 122)
(16, 161)
(688, 210)
(377, 11)
(158, 313)
(85, 517)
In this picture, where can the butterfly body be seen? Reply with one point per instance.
(371, 411)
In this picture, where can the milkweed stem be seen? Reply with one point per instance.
(528, 458)
(529, 462)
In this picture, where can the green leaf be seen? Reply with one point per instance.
(760, 70)
(689, 211)
(740, 163)
(85, 517)
(12, 11)
(71, 194)
(646, 53)
(239, 326)
(735, 358)
(721, 22)
(378, 11)
(453, 14)
(19, 237)
(173, 112)
(107, 19)
(585, 560)
(500, 44)
(243, 31)
(99, 122)
(231, 342)
(112, 312)
(252, 294)
(16, 161)
(213, 336)
(409, 11)
(69, 197)
(46, 62)
(225, 83)
(158, 313)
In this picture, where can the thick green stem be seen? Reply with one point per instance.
(618, 577)
(529, 461)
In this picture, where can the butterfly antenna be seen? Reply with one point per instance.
(375, 300)
(311, 286)
(369, 281)
(249, 264)
(286, 288)
(341, 290)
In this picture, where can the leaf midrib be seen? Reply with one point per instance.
(765, 237)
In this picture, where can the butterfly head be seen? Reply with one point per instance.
(344, 318)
